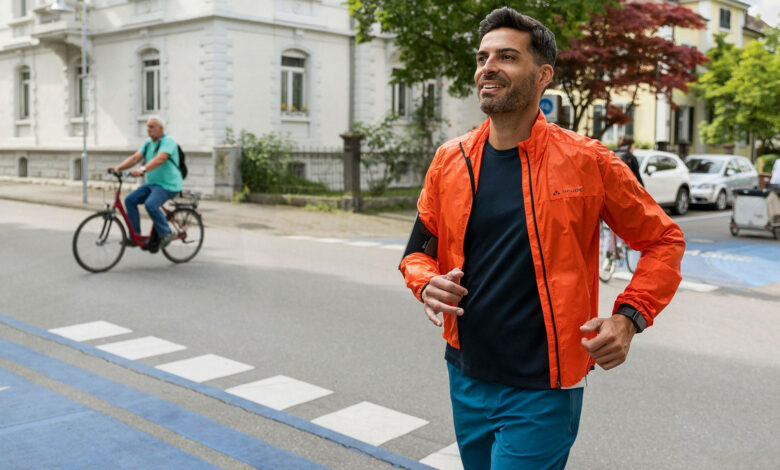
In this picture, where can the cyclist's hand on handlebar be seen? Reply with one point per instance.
(113, 169)
(137, 172)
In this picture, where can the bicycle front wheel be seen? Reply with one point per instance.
(188, 227)
(606, 255)
(99, 242)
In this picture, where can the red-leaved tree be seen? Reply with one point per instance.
(621, 52)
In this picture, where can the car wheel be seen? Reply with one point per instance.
(722, 201)
(681, 201)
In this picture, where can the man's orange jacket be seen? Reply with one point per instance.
(570, 183)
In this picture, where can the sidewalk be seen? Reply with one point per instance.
(277, 220)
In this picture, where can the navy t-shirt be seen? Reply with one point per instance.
(502, 334)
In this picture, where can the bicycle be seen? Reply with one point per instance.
(612, 251)
(100, 240)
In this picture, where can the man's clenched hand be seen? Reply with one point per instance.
(441, 291)
(613, 337)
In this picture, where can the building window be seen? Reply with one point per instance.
(24, 93)
(150, 76)
(401, 98)
(80, 91)
(294, 84)
(725, 18)
(21, 8)
(683, 130)
(598, 122)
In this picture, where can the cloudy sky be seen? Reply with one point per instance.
(768, 9)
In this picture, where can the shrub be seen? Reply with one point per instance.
(266, 165)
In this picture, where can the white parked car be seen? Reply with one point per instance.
(666, 179)
(714, 178)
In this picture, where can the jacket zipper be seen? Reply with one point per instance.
(544, 271)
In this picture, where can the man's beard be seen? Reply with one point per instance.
(517, 97)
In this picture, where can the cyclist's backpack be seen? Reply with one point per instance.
(182, 163)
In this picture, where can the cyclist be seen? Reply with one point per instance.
(160, 156)
(625, 151)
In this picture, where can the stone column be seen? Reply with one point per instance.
(352, 200)
(227, 171)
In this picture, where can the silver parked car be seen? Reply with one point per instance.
(715, 176)
(666, 179)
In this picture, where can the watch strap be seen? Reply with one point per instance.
(635, 315)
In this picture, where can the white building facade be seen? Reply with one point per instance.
(205, 66)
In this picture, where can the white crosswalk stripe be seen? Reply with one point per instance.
(445, 459)
(279, 392)
(140, 348)
(370, 423)
(90, 331)
(205, 368)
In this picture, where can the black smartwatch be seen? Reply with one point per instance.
(636, 317)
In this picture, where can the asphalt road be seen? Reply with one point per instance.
(699, 389)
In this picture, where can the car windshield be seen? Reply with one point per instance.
(703, 165)
(640, 159)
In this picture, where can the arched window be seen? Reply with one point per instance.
(294, 83)
(150, 79)
(24, 93)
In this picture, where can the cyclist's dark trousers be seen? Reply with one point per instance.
(152, 196)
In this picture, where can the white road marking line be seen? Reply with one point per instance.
(698, 287)
(363, 244)
(298, 237)
(370, 423)
(394, 246)
(329, 240)
(680, 220)
(279, 392)
(688, 285)
(140, 348)
(204, 368)
(90, 331)
(445, 459)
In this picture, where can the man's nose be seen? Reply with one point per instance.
(490, 66)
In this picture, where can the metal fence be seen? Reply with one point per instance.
(325, 167)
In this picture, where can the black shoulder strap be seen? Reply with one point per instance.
(471, 171)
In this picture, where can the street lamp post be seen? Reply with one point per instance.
(60, 6)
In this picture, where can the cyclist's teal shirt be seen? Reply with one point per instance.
(166, 175)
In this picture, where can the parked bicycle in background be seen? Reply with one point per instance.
(613, 252)
(100, 240)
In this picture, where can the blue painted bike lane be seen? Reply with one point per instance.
(43, 429)
(737, 262)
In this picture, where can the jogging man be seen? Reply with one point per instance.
(506, 247)
(160, 155)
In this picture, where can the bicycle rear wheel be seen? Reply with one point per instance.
(99, 242)
(606, 256)
(188, 227)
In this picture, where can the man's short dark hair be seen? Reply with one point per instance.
(542, 39)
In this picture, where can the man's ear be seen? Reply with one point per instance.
(545, 75)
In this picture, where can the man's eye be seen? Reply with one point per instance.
(481, 59)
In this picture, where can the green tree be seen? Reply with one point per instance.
(438, 38)
(742, 90)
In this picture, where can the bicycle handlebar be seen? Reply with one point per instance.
(118, 174)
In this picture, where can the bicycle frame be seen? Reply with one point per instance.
(137, 238)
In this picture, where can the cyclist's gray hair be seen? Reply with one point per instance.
(160, 121)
